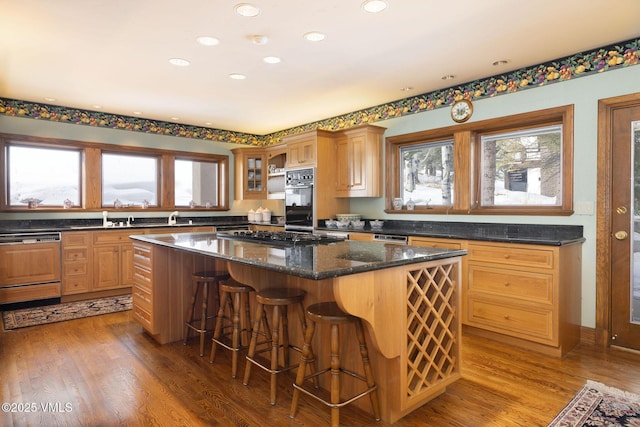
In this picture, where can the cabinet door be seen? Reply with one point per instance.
(25, 264)
(126, 265)
(359, 157)
(106, 267)
(250, 174)
(302, 154)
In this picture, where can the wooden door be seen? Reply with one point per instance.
(625, 227)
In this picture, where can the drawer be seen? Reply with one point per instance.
(142, 296)
(435, 243)
(76, 239)
(11, 294)
(511, 255)
(144, 317)
(75, 254)
(142, 276)
(75, 269)
(535, 323)
(75, 285)
(142, 254)
(524, 285)
(100, 237)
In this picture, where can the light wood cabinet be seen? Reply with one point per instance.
(434, 242)
(112, 260)
(76, 263)
(301, 150)
(142, 290)
(250, 173)
(37, 266)
(359, 162)
(362, 237)
(529, 293)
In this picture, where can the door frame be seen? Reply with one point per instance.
(606, 107)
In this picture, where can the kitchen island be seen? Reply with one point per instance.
(408, 297)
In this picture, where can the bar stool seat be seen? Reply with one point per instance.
(202, 281)
(229, 336)
(279, 299)
(330, 313)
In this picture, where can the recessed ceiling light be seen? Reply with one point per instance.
(374, 6)
(97, 107)
(137, 113)
(314, 36)
(499, 62)
(237, 76)
(246, 9)
(208, 41)
(179, 62)
(406, 88)
(48, 99)
(175, 118)
(448, 77)
(271, 59)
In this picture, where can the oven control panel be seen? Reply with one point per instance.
(299, 178)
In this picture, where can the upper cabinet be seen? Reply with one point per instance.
(250, 173)
(301, 150)
(359, 162)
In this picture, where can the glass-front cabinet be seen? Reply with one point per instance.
(251, 173)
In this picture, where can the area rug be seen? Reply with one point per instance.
(599, 405)
(59, 312)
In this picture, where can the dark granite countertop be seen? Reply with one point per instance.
(538, 234)
(312, 261)
(53, 225)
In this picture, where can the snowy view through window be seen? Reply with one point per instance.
(129, 180)
(46, 176)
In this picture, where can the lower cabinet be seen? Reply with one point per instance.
(527, 295)
(76, 263)
(112, 260)
(530, 293)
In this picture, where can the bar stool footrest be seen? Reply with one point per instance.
(341, 403)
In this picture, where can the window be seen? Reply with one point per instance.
(43, 177)
(196, 183)
(427, 173)
(514, 165)
(129, 180)
(522, 168)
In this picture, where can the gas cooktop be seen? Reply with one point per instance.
(284, 238)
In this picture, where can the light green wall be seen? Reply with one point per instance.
(584, 93)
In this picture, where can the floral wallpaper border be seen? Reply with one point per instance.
(603, 59)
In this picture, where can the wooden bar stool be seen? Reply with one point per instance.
(279, 299)
(228, 336)
(329, 312)
(202, 281)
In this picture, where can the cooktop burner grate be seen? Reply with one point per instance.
(285, 238)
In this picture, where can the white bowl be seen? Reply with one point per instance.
(331, 223)
(376, 223)
(357, 224)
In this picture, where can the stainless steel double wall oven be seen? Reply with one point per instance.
(299, 200)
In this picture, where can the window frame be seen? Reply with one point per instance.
(467, 166)
(91, 173)
(220, 184)
(4, 160)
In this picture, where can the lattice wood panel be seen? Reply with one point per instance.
(433, 326)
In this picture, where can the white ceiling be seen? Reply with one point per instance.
(114, 53)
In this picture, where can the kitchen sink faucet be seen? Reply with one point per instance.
(172, 218)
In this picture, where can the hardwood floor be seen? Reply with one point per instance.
(105, 371)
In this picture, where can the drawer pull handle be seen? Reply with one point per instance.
(507, 284)
(507, 256)
(506, 317)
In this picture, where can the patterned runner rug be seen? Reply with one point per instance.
(59, 312)
(599, 405)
